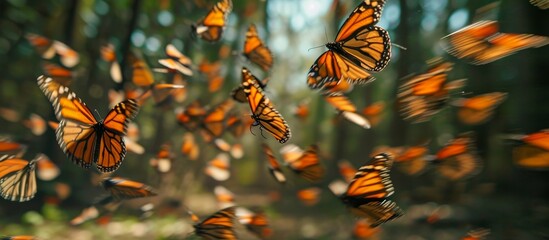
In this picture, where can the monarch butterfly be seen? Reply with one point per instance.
(359, 48)
(215, 121)
(225, 198)
(274, 167)
(457, 159)
(107, 203)
(305, 163)
(84, 139)
(309, 196)
(263, 111)
(121, 188)
(542, 4)
(421, 97)
(86, 214)
(218, 168)
(163, 160)
(17, 178)
(481, 43)
(301, 111)
(478, 109)
(213, 71)
(255, 222)
(412, 160)
(347, 109)
(36, 124)
(47, 170)
(211, 27)
(11, 148)
(237, 151)
(176, 61)
(218, 226)
(367, 193)
(190, 117)
(60, 74)
(374, 112)
(48, 48)
(143, 77)
(533, 153)
(189, 147)
(108, 54)
(256, 51)
(477, 234)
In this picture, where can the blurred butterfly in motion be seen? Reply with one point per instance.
(481, 43)
(347, 109)
(84, 139)
(214, 122)
(309, 196)
(533, 151)
(58, 73)
(225, 198)
(256, 222)
(176, 61)
(366, 195)
(421, 96)
(18, 237)
(17, 178)
(305, 163)
(256, 51)
(164, 159)
(108, 54)
(274, 167)
(189, 147)
(191, 115)
(36, 124)
(216, 227)
(48, 48)
(477, 234)
(263, 111)
(142, 76)
(47, 170)
(412, 160)
(218, 168)
(478, 109)
(374, 112)
(458, 159)
(211, 27)
(121, 188)
(363, 231)
(359, 48)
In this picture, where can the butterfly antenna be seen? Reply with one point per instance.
(98, 115)
(399, 46)
(315, 47)
(251, 130)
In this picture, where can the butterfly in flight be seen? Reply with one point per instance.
(359, 48)
(263, 112)
(274, 166)
(481, 42)
(18, 178)
(218, 226)
(121, 188)
(256, 51)
(366, 195)
(211, 27)
(303, 162)
(458, 158)
(81, 136)
(478, 109)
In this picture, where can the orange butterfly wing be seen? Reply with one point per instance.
(274, 167)
(121, 188)
(256, 51)
(17, 178)
(212, 26)
(263, 111)
(218, 226)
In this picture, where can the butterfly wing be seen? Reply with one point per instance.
(218, 226)
(378, 212)
(17, 179)
(212, 26)
(214, 122)
(347, 109)
(274, 167)
(256, 51)
(263, 111)
(308, 165)
(121, 188)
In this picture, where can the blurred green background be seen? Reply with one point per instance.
(512, 202)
